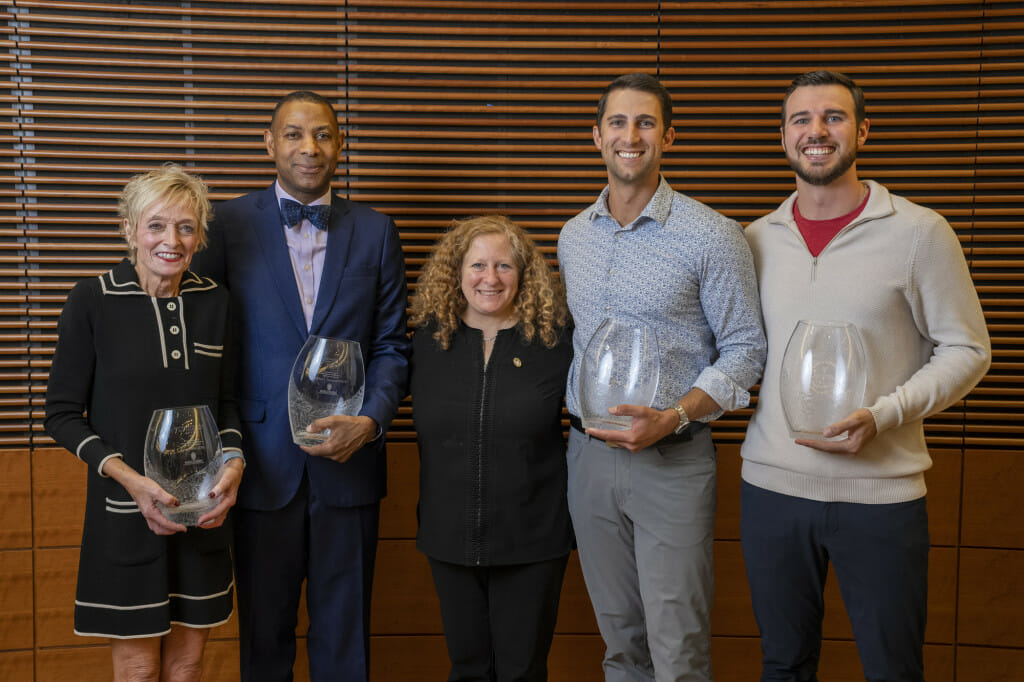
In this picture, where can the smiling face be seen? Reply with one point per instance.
(164, 239)
(490, 280)
(632, 138)
(304, 142)
(820, 134)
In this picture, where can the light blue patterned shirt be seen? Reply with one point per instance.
(687, 272)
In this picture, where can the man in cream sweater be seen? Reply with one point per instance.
(845, 249)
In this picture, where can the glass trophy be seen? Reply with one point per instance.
(327, 379)
(183, 454)
(620, 366)
(823, 377)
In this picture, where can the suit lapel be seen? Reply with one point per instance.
(339, 237)
(270, 233)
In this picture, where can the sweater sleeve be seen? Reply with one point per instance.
(71, 380)
(947, 312)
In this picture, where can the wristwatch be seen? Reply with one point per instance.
(684, 421)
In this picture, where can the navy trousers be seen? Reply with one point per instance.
(333, 549)
(880, 556)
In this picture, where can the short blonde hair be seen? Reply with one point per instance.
(171, 184)
(539, 303)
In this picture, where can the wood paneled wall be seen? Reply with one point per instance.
(458, 108)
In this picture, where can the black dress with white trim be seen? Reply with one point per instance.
(120, 355)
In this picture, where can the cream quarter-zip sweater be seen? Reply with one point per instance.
(898, 273)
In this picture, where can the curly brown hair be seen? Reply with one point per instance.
(539, 303)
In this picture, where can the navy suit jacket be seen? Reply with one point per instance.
(362, 297)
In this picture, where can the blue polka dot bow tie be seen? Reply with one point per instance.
(294, 212)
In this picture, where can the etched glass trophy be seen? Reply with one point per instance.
(327, 379)
(823, 377)
(183, 454)
(620, 366)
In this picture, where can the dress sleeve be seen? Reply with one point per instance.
(228, 420)
(70, 385)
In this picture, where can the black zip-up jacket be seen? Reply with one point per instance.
(492, 454)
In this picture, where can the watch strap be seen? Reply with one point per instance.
(684, 420)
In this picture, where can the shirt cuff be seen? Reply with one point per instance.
(727, 393)
(234, 454)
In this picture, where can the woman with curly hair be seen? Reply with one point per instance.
(490, 358)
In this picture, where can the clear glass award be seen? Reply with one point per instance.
(823, 377)
(620, 366)
(183, 454)
(327, 379)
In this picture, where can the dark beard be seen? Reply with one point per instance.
(820, 180)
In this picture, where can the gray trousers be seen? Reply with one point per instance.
(644, 525)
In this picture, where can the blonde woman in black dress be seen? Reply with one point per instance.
(147, 334)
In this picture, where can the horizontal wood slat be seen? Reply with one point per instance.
(437, 133)
(453, 108)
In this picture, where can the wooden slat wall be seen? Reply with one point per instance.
(458, 108)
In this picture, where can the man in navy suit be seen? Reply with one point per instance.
(329, 267)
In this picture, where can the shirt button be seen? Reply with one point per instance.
(174, 329)
(611, 271)
(309, 300)
(172, 306)
(176, 354)
(306, 267)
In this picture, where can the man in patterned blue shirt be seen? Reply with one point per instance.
(643, 500)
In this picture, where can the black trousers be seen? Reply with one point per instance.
(499, 620)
